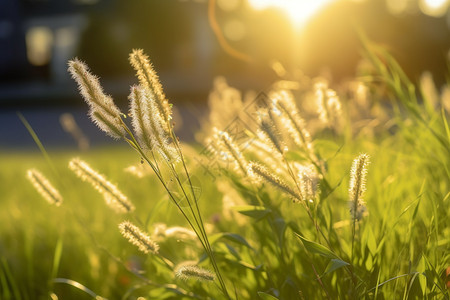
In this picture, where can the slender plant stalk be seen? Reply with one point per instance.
(199, 227)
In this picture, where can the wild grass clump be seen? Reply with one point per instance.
(304, 193)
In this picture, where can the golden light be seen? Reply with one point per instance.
(299, 11)
(234, 30)
(39, 41)
(434, 8)
(398, 7)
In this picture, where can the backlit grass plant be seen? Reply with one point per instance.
(321, 195)
(152, 136)
(304, 248)
(346, 256)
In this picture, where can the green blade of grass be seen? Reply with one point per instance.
(333, 265)
(256, 212)
(78, 286)
(9, 278)
(4, 287)
(57, 257)
(266, 296)
(389, 280)
(316, 248)
(38, 142)
(447, 129)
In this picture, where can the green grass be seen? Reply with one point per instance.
(31, 228)
(265, 246)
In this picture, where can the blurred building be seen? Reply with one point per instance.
(37, 37)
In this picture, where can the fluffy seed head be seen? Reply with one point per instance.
(227, 147)
(148, 123)
(140, 112)
(309, 181)
(112, 195)
(162, 232)
(358, 186)
(43, 186)
(328, 105)
(259, 172)
(107, 123)
(139, 170)
(189, 270)
(291, 119)
(149, 79)
(268, 133)
(104, 113)
(264, 154)
(138, 238)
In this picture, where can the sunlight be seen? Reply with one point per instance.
(299, 11)
(435, 3)
(435, 8)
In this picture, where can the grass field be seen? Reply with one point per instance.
(274, 224)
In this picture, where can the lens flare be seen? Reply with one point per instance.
(299, 11)
(434, 8)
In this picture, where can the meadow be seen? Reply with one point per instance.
(304, 191)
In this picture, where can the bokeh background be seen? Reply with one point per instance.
(190, 43)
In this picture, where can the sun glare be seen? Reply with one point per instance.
(435, 3)
(299, 11)
(435, 8)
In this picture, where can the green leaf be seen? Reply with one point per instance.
(57, 257)
(371, 241)
(432, 275)
(327, 149)
(334, 265)
(257, 212)
(422, 279)
(369, 262)
(266, 296)
(234, 237)
(295, 156)
(316, 248)
(247, 265)
(233, 251)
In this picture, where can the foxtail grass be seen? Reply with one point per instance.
(152, 134)
(358, 186)
(261, 173)
(149, 79)
(102, 109)
(44, 187)
(138, 238)
(148, 123)
(268, 132)
(291, 120)
(229, 150)
(187, 271)
(114, 198)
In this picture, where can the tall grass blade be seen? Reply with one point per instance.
(38, 142)
(265, 296)
(447, 129)
(79, 286)
(10, 281)
(57, 257)
(316, 248)
(4, 287)
(334, 265)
